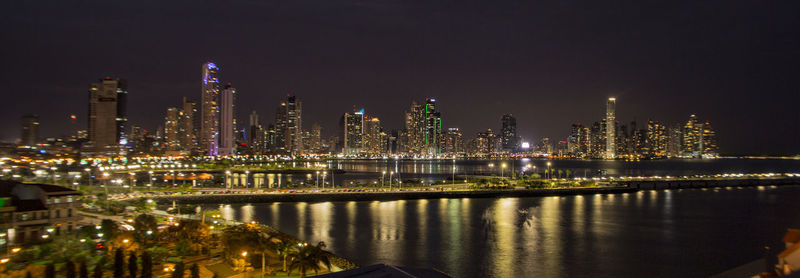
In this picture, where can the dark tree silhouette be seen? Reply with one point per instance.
(132, 266)
(98, 268)
(119, 263)
(147, 265)
(83, 270)
(69, 269)
(178, 273)
(194, 271)
(50, 271)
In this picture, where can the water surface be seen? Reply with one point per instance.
(690, 232)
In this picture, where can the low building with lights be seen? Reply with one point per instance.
(35, 212)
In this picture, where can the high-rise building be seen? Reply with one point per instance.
(315, 138)
(611, 120)
(545, 146)
(709, 141)
(171, 130)
(486, 143)
(453, 141)
(209, 110)
(227, 121)
(107, 114)
(353, 132)
(674, 141)
(188, 125)
(656, 140)
(692, 137)
(255, 134)
(29, 135)
(509, 133)
(288, 126)
(412, 141)
(374, 137)
(433, 128)
(573, 141)
(597, 139)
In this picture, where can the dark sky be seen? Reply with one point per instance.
(735, 63)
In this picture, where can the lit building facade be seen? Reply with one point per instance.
(29, 134)
(227, 124)
(209, 110)
(107, 114)
(353, 132)
(509, 133)
(611, 119)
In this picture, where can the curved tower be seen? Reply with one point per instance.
(209, 111)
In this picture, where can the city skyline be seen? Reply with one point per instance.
(546, 81)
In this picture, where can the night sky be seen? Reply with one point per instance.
(735, 63)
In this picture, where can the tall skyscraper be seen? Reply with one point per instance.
(656, 140)
(315, 138)
(209, 110)
(255, 134)
(485, 143)
(107, 114)
(29, 135)
(509, 133)
(574, 140)
(674, 141)
(709, 141)
(692, 137)
(188, 125)
(227, 121)
(433, 128)
(611, 130)
(374, 137)
(412, 141)
(453, 141)
(353, 132)
(289, 126)
(171, 129)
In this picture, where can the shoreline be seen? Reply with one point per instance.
(382, 196)
(622, 187)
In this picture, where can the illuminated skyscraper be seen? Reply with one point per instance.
(413, 135)
(692, 137)
(209, 110)
(353, 132)
(485, 143)
(374, 137)
(453, 142)
(674, 141)
(315, 138)
(227, 122)
(656, 140)
(433, 128)
(171, 127)
(107, 114)
(611, 119)
(709, 141)
(255, 135)
(29, 135)
(188, 125)
(288, 126)
(509, 133)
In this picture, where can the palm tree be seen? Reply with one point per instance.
(284, 249)
(264, 244)
(309, 258)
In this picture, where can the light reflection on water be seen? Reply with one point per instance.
(548, 236)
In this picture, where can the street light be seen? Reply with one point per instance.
(383, 179)
(549, 175)
(502, 168)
